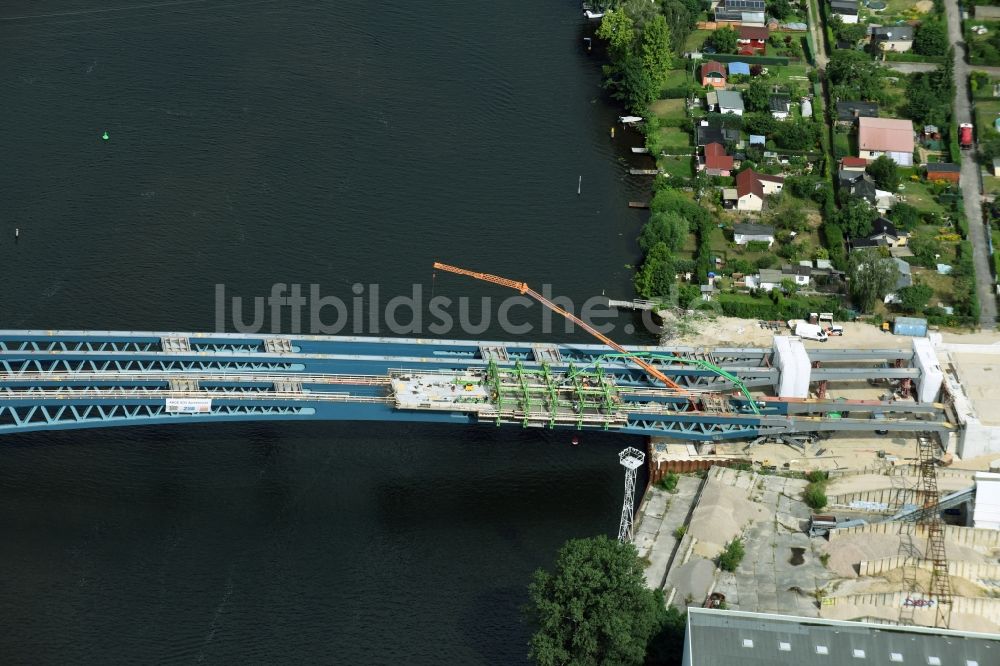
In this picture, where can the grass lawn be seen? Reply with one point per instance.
(792, 73)
(987, 112)
(668, 109)
(677, 166)
(991, 185)
(696, 39)
(675, 140)
(918, 195)
(942, 285)
(677, 78)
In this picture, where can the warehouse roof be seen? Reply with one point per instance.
(762, 639)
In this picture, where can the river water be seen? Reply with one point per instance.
(295, 141)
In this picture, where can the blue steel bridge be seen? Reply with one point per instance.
(52, 380)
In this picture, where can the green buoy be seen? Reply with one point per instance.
(105, 136)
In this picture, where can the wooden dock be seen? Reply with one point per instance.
(637, 304)
(638, 204)
(643, 172)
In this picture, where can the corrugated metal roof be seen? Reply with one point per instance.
(759, 639)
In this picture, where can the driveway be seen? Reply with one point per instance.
(971, 181)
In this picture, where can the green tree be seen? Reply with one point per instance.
(656, 275)
(883, 172)
(855, 217)
(657, 49)
(595, 607)
(931, 38)
(915, 297)
(904, 216)
(926, 249)
(631, 83)
(757, 96)
(779, 9)
(664, 227)
(872, 276)
(617, 29)
(800, 134)
(854, 75)
(724, 40)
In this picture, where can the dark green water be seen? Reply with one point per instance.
(294, 141)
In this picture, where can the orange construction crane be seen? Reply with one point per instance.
(525, 289)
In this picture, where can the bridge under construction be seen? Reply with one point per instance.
(82, 379)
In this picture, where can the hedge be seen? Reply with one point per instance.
(745, 306)
(995, 235)
(750, 60)
(896, 56)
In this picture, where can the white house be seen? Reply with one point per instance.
(752, 187)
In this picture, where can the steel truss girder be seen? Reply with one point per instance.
(45, 417)
(57, 365)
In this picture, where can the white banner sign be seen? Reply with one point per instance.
(189, 405)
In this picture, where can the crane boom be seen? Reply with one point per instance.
(523, 288)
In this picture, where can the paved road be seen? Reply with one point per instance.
(971, 186)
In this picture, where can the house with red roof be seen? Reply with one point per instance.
(716, 162)
(713, 74)
(853, 164)
(752, 40)
(752, 187)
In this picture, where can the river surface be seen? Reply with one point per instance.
(296, 141)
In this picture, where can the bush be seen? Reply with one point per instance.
(817, 475)
(668, 482)
(680, 532)
(815, 495)
(732, 555)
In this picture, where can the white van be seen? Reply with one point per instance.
(808, 331)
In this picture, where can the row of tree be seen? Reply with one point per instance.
(641, 56)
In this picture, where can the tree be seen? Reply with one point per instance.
(617, 29)
(664, 227)
(656, 276)
(854, 75)
(800, 134)
(915, 297)
(779, 9)
(657, 49)
(724, 40)
(872, 276)
(630, 82)
(926, 249)
(856, 217)
(931, 38)
(904, 216)
(883, 172)
(595, 607)
(757, 96)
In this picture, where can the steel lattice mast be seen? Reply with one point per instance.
(631, 459)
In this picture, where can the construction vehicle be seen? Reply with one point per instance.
(523, 288)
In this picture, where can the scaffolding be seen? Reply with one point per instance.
(940, 586)
(631, 459)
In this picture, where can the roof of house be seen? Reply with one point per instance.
(770, 178)
(943, 167)
(752, 32)
(780, 102)
(865, 188)
(853, 162)
(765, 639)
(845, 177)
(893, 33)
(905, 278)
(885, 135)
(843, 8)
(739, 68)
(757, 139)
(772, 275)
(996, 162)
(858, 243)
(730, 99)
(883, 226)
(796, 270)
(748, 183)
(716, 157)
(753, 229)
(729, 193)
(852, 109)
(713, 67)
(712, 132)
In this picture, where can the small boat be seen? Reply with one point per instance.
(575, 441)
(629, 120)
(593, 15)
